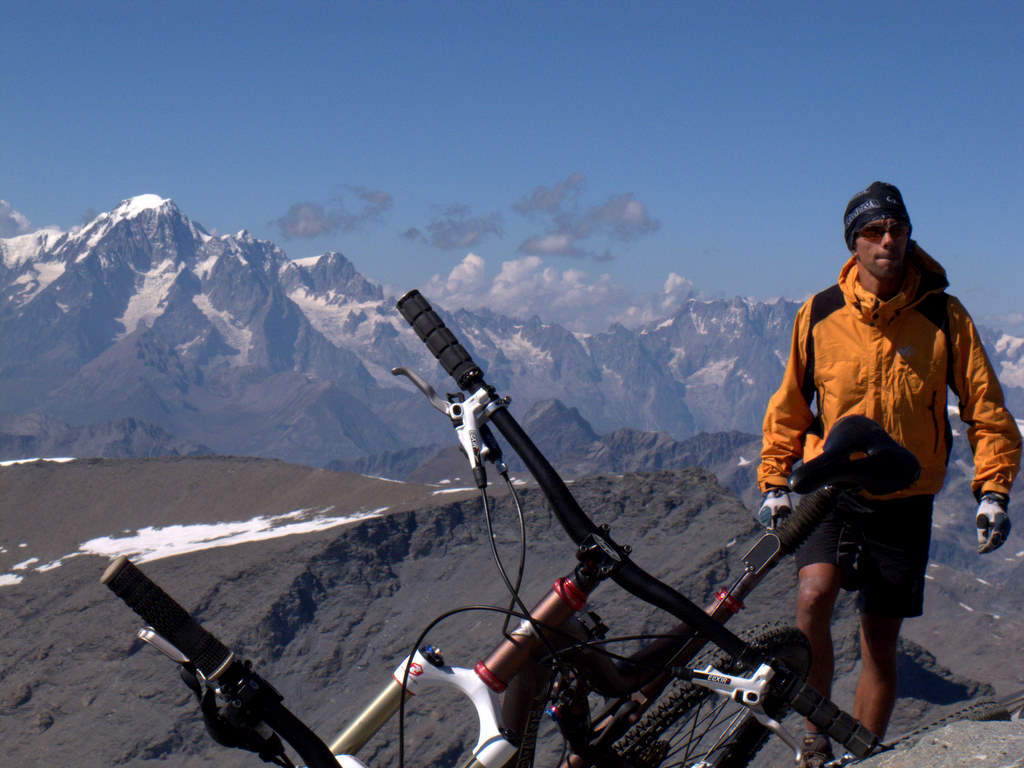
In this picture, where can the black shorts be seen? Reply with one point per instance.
(882, 549)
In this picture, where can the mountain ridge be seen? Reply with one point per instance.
(223, 341)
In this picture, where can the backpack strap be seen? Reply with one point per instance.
(823, 304)
(935, 308)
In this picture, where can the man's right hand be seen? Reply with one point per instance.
(775, 508)
(993, 522)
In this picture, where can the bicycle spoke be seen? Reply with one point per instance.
(716, 722)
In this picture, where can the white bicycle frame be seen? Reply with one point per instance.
(492, 749)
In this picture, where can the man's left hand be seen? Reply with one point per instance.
(993, 522)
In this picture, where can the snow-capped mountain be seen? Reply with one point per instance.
(223, 341)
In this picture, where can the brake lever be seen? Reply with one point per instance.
(162, 644)
(469, 417)
(427, 390)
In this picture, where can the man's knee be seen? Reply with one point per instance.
(817, 590)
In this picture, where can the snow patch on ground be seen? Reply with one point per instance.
(156, 543)
(59, 459)
(329, 314)
(713, 374)
(517, 347)
(203, 268)
(148, 302)
(133, 206)
(24, 248)
(237, 335)
(45, 273)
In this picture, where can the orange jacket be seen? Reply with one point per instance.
(889, 361)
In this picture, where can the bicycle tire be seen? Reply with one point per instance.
(691, 723)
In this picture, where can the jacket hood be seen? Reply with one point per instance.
(923, 277)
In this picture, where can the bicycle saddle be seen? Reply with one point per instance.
(858, 454)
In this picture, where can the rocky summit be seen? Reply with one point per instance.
(325, 579)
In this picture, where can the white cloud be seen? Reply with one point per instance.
(465, 280)
(572, 298)
(12, 223)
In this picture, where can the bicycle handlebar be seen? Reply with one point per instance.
(439, 340)
(458, 363)
(167, 617)
(211, 657)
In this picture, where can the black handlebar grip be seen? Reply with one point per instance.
(831, 720)
(162, 612)
(439, 340)
(805, 518)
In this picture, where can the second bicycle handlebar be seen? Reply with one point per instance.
(468, 375)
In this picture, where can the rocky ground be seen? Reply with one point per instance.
(979, 745)
(326, 615)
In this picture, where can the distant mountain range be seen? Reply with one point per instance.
(142, 334)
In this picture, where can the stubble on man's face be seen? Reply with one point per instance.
(883, 261)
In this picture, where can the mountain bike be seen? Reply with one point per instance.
(662, 704)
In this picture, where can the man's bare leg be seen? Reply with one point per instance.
(816, 597)
(876, 688)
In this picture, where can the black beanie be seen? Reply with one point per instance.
(879, 201)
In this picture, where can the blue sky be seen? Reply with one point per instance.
(584, 153)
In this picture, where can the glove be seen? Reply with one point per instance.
(993, 522)
(775, 508)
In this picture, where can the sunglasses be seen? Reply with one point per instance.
(876, 230)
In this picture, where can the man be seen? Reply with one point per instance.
(885, 342)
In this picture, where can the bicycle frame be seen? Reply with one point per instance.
(551, 627)
(487, 682)
(423, 670)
